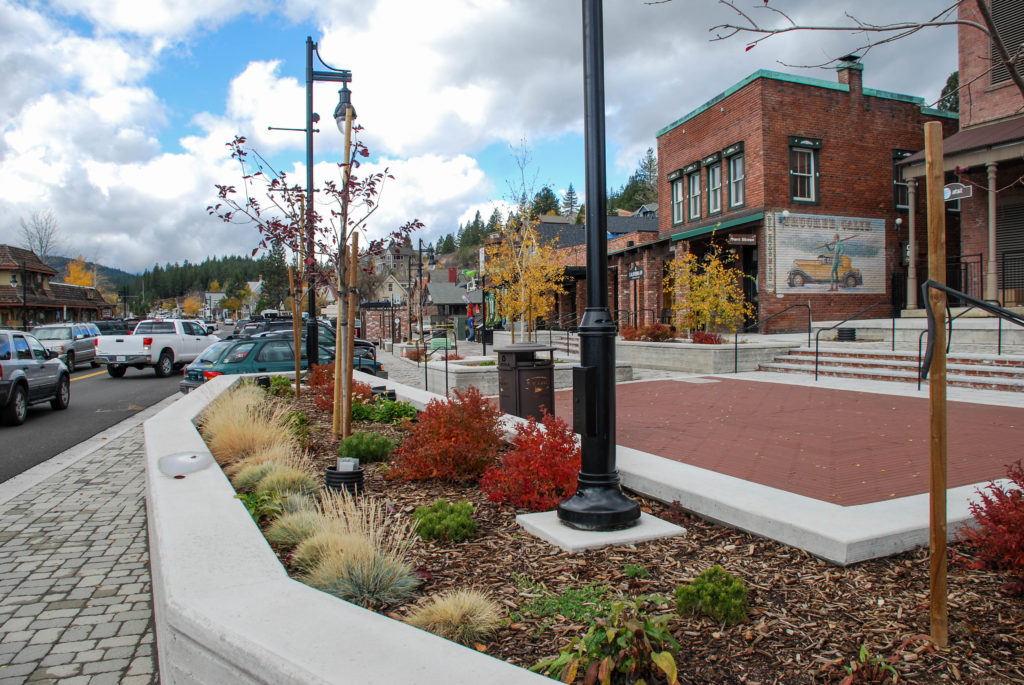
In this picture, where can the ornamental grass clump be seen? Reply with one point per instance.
(282, 452)
(715, 593)
(444, 521)
(463, 616)
(288, 478)
(240, 423)
(292, 528)
(246, 479)
(454, 441)
(315, 548)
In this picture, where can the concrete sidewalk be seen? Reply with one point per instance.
(75, 600)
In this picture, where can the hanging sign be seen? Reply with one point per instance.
(955, 191)
(635, 273)
(742, 239)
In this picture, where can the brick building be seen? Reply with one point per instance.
(774, 168)
(29, 289)
(987, 155)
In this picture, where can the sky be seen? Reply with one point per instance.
(114, 114)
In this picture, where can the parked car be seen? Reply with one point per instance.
(270, 354)
(74, 342)
(29, 374)
(363, 347)
(160, 343)
(114, 326)
(229, 321)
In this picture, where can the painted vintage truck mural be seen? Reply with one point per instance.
(809, 248)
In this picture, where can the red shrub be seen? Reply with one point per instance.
(629, 333)
(362, 393)
(539, 471)
(454, 440)
(998, 532)
(656, 332)
(705, 338)
(321, 384)
(414, 353)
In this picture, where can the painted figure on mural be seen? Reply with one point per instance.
(838, 250)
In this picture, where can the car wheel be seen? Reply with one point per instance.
(70, 363)
(165, 365)
(850, 281)
(93, 364)
(797, 280)
(116, 371)
(16, 410)
(63, 397)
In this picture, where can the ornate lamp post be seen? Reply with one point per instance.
(599, 503)
(344, 77)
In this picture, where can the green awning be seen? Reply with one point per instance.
(717, 226)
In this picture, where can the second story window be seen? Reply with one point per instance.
(715, 188)
(900, 190)
(678, 201)
(693, 188)
(737, 181)
(803, 169)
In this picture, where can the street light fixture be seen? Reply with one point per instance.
(343, 76)
(599, 503)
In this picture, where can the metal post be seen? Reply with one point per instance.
(423, 346)
(483, 327)
(312, 348)
(599, 503)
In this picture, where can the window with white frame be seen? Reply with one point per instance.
(803, 168)
(737, 181)
(715, 188)
(678, 200)
(900, 189)
(693, 188)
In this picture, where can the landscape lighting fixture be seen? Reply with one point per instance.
(344, 103)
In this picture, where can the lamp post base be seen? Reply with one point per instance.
(599, 507)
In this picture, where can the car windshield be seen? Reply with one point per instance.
(62, 333)
(213, 353)
(239, 353)
(154, 327)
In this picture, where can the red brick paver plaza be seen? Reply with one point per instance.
(839, 446)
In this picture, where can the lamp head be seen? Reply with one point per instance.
(344, 103)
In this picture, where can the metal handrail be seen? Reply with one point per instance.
(995, 310)
(757, 324)
(817, 340)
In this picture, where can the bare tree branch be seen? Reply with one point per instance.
(41, 234)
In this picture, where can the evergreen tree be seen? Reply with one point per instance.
(544, 202)
(570, 202)
(950, 98)
(274, 269)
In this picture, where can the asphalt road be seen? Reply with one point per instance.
(97, 402)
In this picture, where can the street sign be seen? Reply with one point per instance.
(955, 191)
(635, 273)
(481, 260)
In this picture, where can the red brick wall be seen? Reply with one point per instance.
(980, 101)
(376, 326)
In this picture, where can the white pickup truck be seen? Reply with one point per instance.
(161, 343)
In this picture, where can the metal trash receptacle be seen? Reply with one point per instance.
(526, 383)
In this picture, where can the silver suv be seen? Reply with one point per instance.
(29, 373)
(75, 342)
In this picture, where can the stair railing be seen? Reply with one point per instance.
(817, 335)
(758, 324)
(949, 335)
(994, 309)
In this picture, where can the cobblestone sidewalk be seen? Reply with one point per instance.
(75, 601)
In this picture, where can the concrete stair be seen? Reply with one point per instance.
(982, 371)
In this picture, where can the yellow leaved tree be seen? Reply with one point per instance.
(79, 273)
(192, 305)
(707, 292)
(524, 274)
(215, 286)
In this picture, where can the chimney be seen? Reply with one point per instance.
(850, 72)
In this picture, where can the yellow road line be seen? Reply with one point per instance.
(98, 373)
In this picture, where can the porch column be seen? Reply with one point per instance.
(912, 244)
(991, 282)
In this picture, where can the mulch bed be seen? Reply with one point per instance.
(808, 618)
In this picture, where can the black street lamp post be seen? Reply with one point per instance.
(344, 77)
(599, 503)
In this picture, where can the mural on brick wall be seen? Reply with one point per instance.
(816, 253)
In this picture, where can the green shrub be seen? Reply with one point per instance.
(262, 506)
(287, 479)
(636, 571)
(290, 529)
(249, 476)
(444, 521)
(391, 411)
(362, 412)
(715, 593)
(366, 447)
(281, 386)
(628, 645)
(297, 424)
(463, 616)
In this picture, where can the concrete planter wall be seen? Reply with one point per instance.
(226, 611)
(692, 358)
